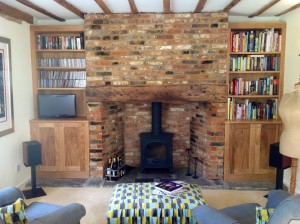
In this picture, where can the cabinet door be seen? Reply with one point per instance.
(46, 134)
(74, 148)
(238, 154)
(268, 134)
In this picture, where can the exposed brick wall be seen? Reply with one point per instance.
(138, 119)
(106, 134)
(156, 49)
(151, 50)
(207, 138)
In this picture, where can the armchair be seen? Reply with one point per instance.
(286, 209)
(43, 213)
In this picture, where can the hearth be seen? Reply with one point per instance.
(156, 146)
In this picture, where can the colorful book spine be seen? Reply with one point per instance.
(268, 40)
(246, 110)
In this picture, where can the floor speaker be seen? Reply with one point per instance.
(32, 153)
(32, 156)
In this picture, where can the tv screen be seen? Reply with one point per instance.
(56, 106)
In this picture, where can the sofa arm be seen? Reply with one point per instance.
(204, 214)
(275, 197)
(69, 214)
(9, 195)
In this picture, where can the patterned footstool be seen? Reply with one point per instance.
(135, 203)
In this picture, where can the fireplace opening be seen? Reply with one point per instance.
(156, 146)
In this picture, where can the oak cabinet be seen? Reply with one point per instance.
(256, 53)
(64, 147)
(247, 150)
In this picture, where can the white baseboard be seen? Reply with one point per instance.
(22, 185)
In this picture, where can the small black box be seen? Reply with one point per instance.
(32, 153)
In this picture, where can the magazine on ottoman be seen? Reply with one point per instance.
(170, 187)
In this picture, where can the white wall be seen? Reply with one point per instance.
(292, 68)
(11, 145)
(233, 19)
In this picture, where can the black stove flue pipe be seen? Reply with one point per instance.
(156, 118)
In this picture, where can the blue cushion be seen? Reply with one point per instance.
(244, 213)
(37, 210)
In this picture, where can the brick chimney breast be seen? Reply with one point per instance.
(179, 59)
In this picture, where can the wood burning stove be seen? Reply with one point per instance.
(156, 146)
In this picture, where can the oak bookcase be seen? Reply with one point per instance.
(255, 86)
(58, 67)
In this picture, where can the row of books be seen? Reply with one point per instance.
(254, 63)
(268, 40)
(46, 74)
(62, 83)
(61, 62)
(60, 42)
(261, 86)
(252, 110)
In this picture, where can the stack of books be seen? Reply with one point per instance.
(170, 188)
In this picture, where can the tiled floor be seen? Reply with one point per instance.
(133, 175)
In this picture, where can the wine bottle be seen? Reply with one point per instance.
(114, 169)
(108, 169)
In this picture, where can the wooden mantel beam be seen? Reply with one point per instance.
(12, 12)
(200, 6)
(70, 7)
(103, 6)
(39, 9)
(265, 8)
(167, 93)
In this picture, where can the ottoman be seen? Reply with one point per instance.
(135, 203)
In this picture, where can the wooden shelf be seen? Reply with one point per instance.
(254, 96)
(61, 68)
(239, 121)
(58, 120)
(254, 72)
(255, 53)
(51, 54)
(64, 89)
(65, 140)
(60, 50)
(247, 142)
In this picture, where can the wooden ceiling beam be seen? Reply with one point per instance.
(39, 9)
(133, 6)
(289, 9)
(231, 5)
(17, 14)
(167, 6)
(70, 7)
(200, 5)
(263, 9)
(103, 6)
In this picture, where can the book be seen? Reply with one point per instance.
(158, 192)
(169, 187)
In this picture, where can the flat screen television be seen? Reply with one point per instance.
(56, 106)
